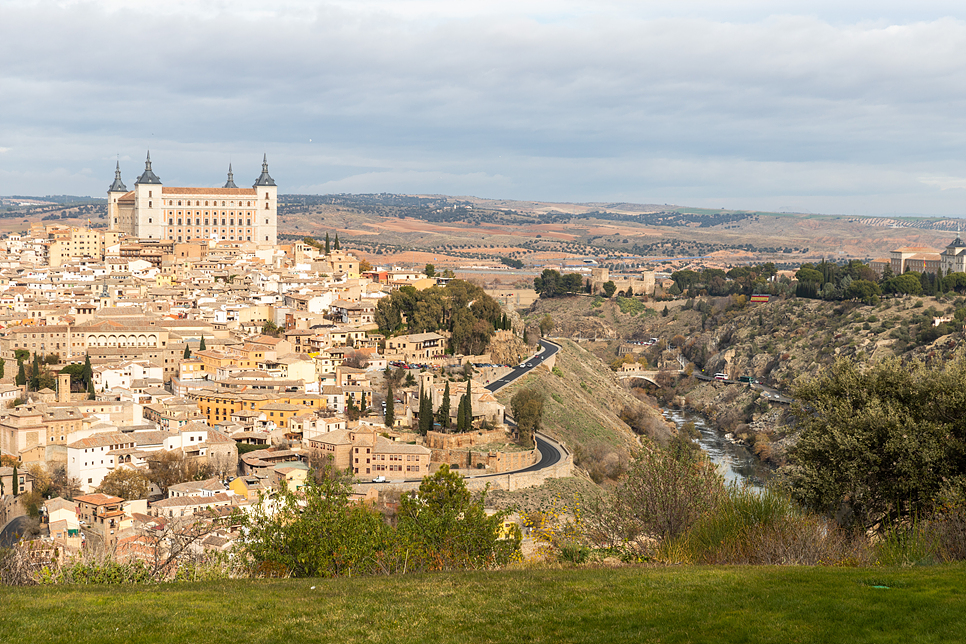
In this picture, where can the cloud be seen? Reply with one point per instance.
(646, 101)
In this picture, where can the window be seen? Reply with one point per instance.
(171, 221)
(149, 220)
(149, 204)
(179, 203)
(266, 208)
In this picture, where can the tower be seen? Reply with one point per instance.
(148, 204)
(266, 214)
(115, 192)
(231, 179)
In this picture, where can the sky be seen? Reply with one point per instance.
(768, 105)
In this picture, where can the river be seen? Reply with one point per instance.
(734, 461)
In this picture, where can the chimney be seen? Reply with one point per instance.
(63, 387)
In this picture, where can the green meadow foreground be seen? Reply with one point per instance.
(721, 604)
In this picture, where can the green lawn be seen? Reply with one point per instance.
(726, 604)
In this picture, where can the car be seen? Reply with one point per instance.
(720, 376)
(379, 479)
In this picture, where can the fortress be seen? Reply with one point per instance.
(153, 211)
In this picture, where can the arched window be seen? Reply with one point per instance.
(179, 203)
(266, 208)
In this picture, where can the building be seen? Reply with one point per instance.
(229, 213)
(953, 258)
(915, 258)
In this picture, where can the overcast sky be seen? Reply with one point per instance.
(768, 105)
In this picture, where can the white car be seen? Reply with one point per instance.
(379, 479)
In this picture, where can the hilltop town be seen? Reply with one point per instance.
(163, 371)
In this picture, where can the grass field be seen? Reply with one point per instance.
(739, 604)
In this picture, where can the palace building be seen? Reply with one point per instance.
(229, 213)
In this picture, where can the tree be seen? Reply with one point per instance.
(336, 245)
(527, 406)
(461, 415)
(662, 494)
(446, 527)
(3, 365)
(21, 378)
(317, 532)
(326, 243)
(187, 352)
(167, 468)
(425, 412)
(444, 407)
(35, 374)
(125, 483)
(91, 395)
(430, 270)
(390, 417)
(546, 324)
(270, 328)
(364, 266)
(201, 345)
(883, 443)
(87, 375)
(609, 289)
(468, 409)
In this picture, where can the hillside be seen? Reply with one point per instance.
(777, 343)
(587, 408)
(726, 604)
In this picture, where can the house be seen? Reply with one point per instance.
(104, 515)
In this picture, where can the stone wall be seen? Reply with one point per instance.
(508, 481)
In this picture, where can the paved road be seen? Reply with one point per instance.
(12, 532)
(549, 454)
(549, 348)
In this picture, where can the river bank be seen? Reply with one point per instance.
(736, 462)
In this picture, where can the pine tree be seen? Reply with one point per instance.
(390, 419)
(337, 242)
(187, 352)
(443, 412)
(326, 243)
(201, 346)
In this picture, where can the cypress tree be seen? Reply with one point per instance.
(461, 415)
(3, 366)
(443, 412)
(187, 352)
(88, 373)
(90, 391)
(337, 242)
(469, 406)
(201, 346)
(16, 481)
(390, 418)
(326, 243)
(35, 373)
(21, 378)
(362, 407)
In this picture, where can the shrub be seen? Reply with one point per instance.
(764, 527)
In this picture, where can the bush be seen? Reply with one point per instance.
(764, 527)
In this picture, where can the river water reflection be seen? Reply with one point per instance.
(734, 461)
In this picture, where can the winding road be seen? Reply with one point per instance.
(550, 452)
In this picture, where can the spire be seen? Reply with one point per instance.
(264, 179)
(148, 176)
(118, 185)
(231, 180)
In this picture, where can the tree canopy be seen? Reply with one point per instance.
(884, 442)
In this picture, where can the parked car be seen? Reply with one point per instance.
(379, 479)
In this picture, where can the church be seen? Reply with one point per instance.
(229, 213)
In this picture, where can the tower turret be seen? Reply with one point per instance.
(231, 179)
